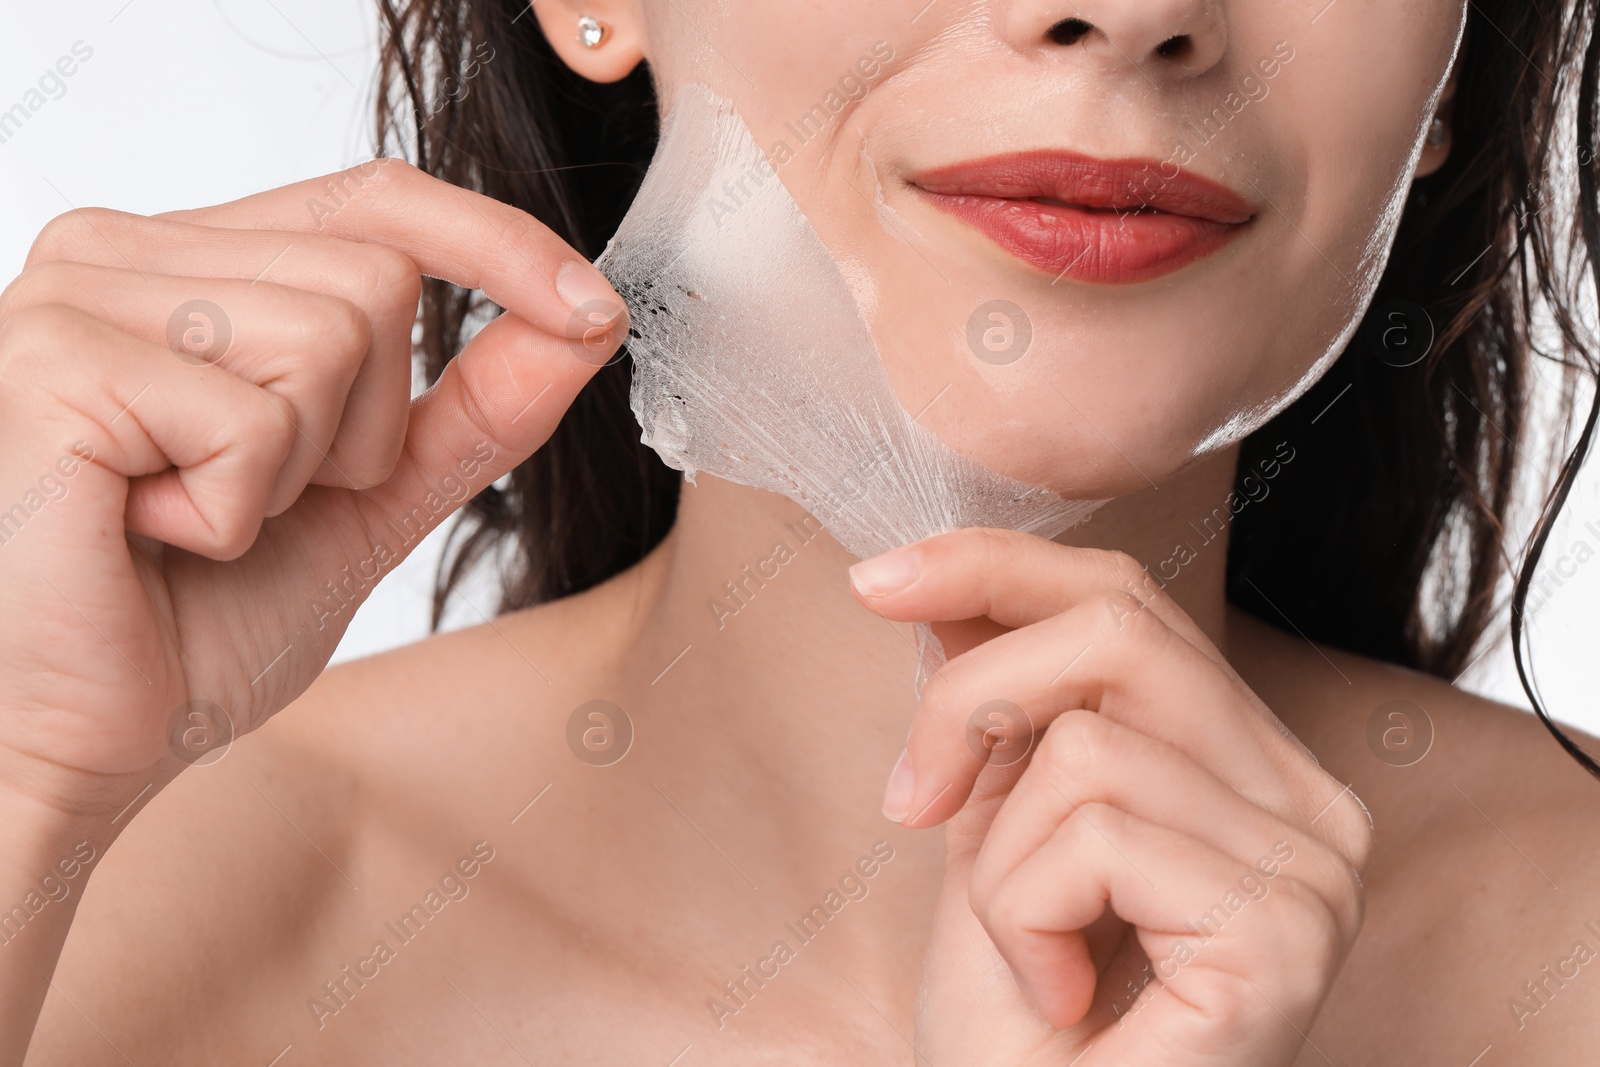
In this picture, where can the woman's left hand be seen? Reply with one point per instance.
(1147, 869)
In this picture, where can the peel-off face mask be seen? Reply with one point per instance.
(753, 363)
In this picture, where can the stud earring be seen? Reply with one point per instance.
(592, 32)
(1436, 132)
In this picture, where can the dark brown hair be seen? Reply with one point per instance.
(1387, 534)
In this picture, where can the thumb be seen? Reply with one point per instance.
(493, 406)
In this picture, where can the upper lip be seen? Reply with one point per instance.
(1081, 181)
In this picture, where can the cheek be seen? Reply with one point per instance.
(1093, 390)
(1098, 391)
(794, 77)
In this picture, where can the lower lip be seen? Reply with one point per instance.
(1102, 247)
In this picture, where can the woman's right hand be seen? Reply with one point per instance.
(209, 453)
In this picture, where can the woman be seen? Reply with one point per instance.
(618, 824)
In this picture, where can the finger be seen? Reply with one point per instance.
(201, 447)
(493, 406)
(1086, 758)
(305, 347)
(1015, 579)
(1108, 655)
(1124, 663)
(451, 233)
(381, 281)
(1159, 880)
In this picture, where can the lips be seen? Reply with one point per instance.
(1113, 222)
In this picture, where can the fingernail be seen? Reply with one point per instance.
(902, 788)
(885, 574)
(588, 294)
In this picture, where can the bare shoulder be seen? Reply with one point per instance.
(228, 898)
(1484, 887)
(1403, 738)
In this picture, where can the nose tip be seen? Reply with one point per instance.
(1184, 36)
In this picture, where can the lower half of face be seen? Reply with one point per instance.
(1093, 239)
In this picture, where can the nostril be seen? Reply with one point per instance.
(1068, 31)
(1175, 47)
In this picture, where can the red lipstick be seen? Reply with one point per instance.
(1114, 222)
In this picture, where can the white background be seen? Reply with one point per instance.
(185, 104)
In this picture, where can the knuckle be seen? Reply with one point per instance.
(41, 283)
(58, 234)
(1351, 899)
(1227, 996)
(1132, 576)
(37, 332)
(526, 232)
(343, 329)
(384, 177)
(1351, 829)
(1224, 1001)
(1096, 823)
(1343, 824)
(1122, 619)
(377, 464)
(1117, 606)
(960, 705)
(1077, 745)
(383, 181)
(66, 236)
(983, 885)
(268, 429)
(1305, 924)
(232, 516)
(363, 475)
(944, 693)
(233, 531)
(388, 280)
(1122, 569)
(994, 547)
(1342, 894)
(389, 170)
(1001, 910)
(479, 412)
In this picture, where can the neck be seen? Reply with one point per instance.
(790, 701)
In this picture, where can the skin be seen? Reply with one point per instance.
(1322, 150)
(1159, 775)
